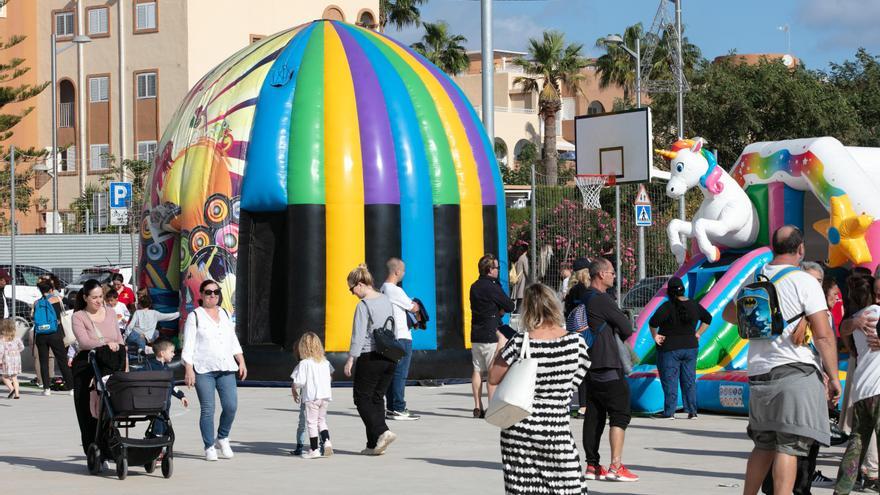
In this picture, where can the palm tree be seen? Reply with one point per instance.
(446, 51)
(400, 13)
(617, 67)
(551, 66)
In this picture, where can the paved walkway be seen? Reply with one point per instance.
(446, 452)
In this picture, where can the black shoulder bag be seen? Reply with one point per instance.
(384, 339)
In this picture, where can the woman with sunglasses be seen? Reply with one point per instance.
(212, 355)
(372, 371)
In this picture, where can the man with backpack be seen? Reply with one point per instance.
(607, 391)
(788, 401)
(48, 334)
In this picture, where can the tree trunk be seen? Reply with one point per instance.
(551, 156)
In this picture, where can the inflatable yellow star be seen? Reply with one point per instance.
(845, 232)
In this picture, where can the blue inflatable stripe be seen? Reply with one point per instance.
(416, 201)
(264, 186)
(793, 213)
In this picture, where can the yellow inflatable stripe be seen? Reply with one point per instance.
(470, 199)
(727, 359)
(344, 187)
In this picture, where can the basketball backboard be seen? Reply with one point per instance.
(616, 143)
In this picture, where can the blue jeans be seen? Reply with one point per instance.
(394, 398)
(224, 383)
(678, 366)
(301, 437)
(137, 338)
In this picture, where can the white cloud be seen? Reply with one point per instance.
(841, 24)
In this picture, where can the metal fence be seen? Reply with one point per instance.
(565, 230)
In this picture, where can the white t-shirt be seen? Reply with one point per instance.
(798, 292)
(314, 378)
(866, 378)
(400, 304)
(122, 315)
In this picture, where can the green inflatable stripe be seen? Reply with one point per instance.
(760, 197)
(721, 346)
(305, 158)
(444, 181)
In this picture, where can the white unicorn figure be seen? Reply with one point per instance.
(727, 218)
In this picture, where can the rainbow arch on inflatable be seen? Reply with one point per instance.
(314, 150)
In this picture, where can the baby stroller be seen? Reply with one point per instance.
(124, 401)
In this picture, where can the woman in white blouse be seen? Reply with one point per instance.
(212, 355)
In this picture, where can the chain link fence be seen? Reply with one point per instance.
(565, 231)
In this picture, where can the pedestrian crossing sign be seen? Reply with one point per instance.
(643, 216)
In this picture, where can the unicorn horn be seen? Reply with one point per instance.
(669, 155)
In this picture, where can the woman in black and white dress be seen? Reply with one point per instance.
(539, 454)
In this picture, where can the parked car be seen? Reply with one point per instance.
(100, 273)
(641, 294)
(26, 277)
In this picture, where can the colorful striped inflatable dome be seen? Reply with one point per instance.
(301, 156)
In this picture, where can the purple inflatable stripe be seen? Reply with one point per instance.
(487, 186)
(377, 145)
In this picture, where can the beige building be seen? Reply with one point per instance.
(516, 112)
(116, 93)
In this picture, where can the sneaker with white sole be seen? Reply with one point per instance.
(210, 454)
(821, 481)
(385, 439)
(328, 449)
(620, 473)
(47, 392)
(404, 415)
(312, 454)
(369, 451)
(225, 449)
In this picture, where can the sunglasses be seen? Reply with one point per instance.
(351, 289)
(210, 292)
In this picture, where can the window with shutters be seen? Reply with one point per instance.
(68, 160)
(145, 18)
(64, 25)
(146, 85)
(99, 157)
(99, 21)
(99, 89)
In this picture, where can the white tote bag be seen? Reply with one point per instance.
(513, 398)
(67, 325)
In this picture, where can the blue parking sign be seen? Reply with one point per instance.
(120, 194)
(643, 216)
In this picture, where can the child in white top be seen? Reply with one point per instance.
(311, 385)
(111, 300)
(10, 356)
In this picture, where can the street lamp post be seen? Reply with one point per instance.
(78, 39)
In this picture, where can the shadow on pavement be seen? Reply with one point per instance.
(460, 463)
(74, 465)
(687, 472)
(703, 452)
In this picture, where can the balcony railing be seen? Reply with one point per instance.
(66, 118)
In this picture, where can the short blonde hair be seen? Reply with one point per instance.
(360, 275)
(309, 346)
(7, 328)
(583, 276)
(540, 307)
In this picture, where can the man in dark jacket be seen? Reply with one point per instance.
(488, 304)
(607, 388)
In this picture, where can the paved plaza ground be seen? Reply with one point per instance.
(446, 452)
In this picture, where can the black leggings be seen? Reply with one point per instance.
(54, 341)
(82, 376)
(372, 376)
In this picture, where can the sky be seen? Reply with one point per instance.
(821, 31)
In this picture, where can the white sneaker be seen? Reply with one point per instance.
(47, 392)
(210, 454)
(225, 449)
(384, 441)
(328, 449)
(312, 454)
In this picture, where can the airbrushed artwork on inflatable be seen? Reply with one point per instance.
(312, 151)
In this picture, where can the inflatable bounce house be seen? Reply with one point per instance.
(768, 187)
(303, 155)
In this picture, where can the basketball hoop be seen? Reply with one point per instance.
(591, 188)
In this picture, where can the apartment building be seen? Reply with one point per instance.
(516, 112)
(116, 92)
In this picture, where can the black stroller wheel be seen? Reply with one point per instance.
(93, 459)
(150, 466)
(168, 464)
(121, 467)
